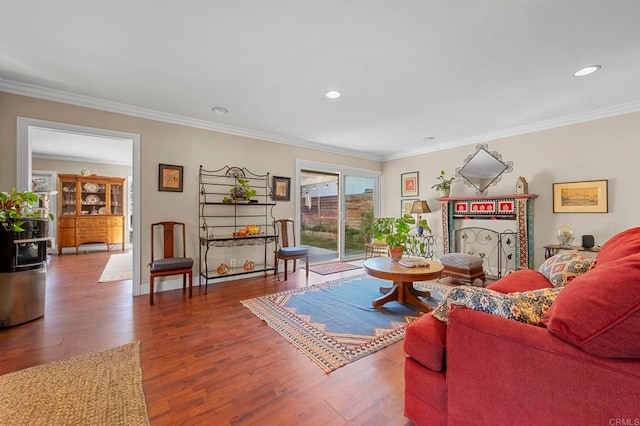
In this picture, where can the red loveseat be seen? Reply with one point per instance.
(580, 366)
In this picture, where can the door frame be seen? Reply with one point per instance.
(53, 203)
(24, 170)
(341, 171)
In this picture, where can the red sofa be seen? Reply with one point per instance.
(580, 365)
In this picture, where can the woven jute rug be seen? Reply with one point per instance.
(100, 388)
(333, 323)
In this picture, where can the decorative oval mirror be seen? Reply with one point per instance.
(483, 169)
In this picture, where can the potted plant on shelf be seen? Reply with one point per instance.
(240, 191)
(16, 206)
(20, 218)
(444, 184)
(396, 233)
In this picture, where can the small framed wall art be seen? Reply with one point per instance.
(581, 197)
(281, 188)
(405, 206)
(409, 183)
(169, 178)
(42, 181)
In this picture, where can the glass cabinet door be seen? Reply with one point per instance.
(93, 198)
(68, 197)
(117, 191)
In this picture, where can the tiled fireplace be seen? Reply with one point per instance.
(497, 228)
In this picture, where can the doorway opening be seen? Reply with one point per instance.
(25, 150)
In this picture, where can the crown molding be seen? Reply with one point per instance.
(24, 89)
(521, 130)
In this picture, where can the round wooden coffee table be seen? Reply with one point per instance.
(403, 278)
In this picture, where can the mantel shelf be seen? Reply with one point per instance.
(489, 197)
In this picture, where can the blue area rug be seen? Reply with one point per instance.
(333, 323)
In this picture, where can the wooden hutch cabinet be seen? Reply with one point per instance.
(90, 210)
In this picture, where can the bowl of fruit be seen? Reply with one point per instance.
(247, 231)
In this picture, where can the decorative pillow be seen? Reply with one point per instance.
(599, 312)
(564, 267)
(527, 306)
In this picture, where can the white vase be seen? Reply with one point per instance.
(444, 193)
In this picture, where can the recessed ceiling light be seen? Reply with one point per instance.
(428, 138)
(587, 70)
(219, 110)
(333, 94)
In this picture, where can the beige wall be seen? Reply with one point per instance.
(74, 167)
(600, 149)
(170, 144)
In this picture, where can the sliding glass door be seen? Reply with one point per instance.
(359, 201)
(334, 206)
(319, 215)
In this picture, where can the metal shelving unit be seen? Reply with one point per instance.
(221, 223)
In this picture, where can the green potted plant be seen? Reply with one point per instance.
(16, 206)
(444, 184)
(240, 191)
(396, 233)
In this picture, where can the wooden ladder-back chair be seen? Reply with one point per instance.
(170, 264)
(286, 248)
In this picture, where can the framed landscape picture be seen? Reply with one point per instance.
(405, 206)
(581, 197)
(409, 182)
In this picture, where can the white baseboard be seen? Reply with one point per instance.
(164, 284)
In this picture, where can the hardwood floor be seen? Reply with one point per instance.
(205, 360)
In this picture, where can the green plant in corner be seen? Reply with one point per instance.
(444, 184)
(15, 206)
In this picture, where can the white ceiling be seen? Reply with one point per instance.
(461, 71)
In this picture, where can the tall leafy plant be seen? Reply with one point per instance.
(396, 232)
(15, 206)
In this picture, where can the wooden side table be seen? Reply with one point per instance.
(553, 249)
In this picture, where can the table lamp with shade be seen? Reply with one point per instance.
(419, 207)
